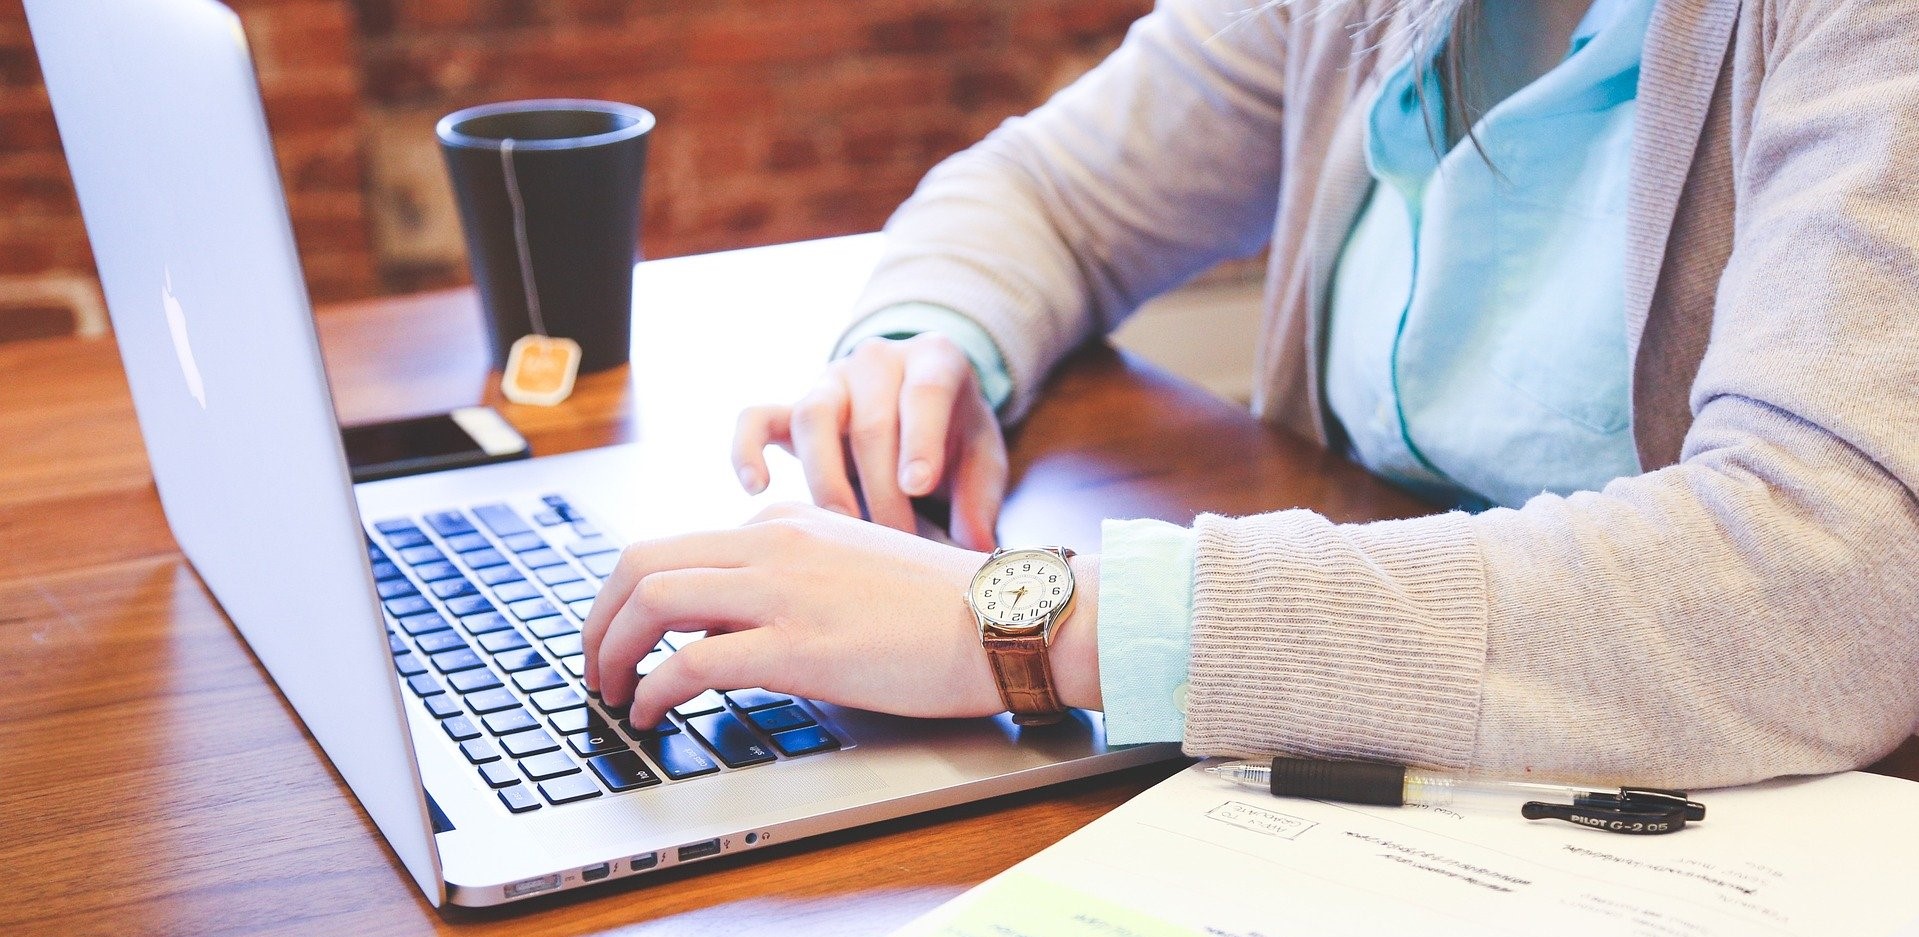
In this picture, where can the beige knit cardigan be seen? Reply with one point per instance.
(1748, 607)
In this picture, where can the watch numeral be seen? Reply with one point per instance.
(1045, 603)
(1055, 590)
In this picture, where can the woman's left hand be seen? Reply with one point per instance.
(803, 601)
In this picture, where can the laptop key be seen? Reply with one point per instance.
(576, 720)
(434, 572)
(479, 751)
(565, 645)
(491, 701)
(548, 628)
(623, 771)
(731, 739)
(569, 789)
(423, 685)
(528, 744)
(453, 588)
(707, 702)
(385, 571)
(457, 660)
(498, 575)
(501, 520)
(448, 523)
(437, 641)
(581, 609)
(522, 659)
(408, 605)
(509, 721)
(533, 681)
(575, 665)
(550, 764)
(755, 698)
(470, 681)
(678, 756)
(518, 799)
(574, 591)
(467, 543)
(651, 661)
(517, 591)
(559, 698)
(500, 642)
(600, 564)
(414, 556)
(393, 641)
(523, 542)
(596, 740)
(442, 705)
(548, 519)
(396, 588)
(532, 608)
(406, 538)
(679, 639)
(780, 718)
(805, 741)
(536, 559)
(558, 575)
(417, 625)
(460, 728)
(499, 774)
(409, 665)
(592, 546)
(394, 525)
(482, 559)
(484, 623)
(469, 604)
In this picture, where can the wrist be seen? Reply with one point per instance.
(1074, 654)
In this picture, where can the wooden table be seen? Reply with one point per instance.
(152, 781)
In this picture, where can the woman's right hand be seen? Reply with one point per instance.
(910, 417)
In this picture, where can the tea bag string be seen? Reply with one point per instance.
(520, 239)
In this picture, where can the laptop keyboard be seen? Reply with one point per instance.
(483, 610)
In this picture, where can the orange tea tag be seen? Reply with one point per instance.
(540, 370)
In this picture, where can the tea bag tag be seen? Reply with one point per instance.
(540, 370)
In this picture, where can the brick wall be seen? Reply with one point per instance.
(779, 119)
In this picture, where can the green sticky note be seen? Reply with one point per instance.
(1019, 905)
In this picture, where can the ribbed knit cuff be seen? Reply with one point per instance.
(976, 287)
(1323, 640)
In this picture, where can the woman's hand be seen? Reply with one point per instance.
(812, 603)
(911, 416)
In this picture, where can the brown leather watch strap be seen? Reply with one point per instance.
(1025, 677)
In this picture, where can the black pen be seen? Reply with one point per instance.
(1628, 809)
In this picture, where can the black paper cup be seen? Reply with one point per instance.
(549, 194)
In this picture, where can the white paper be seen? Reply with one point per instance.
(1197, 855)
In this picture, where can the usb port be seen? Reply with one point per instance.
(529, 886)
(699, 850)
(594, 873)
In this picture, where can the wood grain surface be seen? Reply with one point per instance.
(152, 781)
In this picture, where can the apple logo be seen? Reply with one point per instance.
(177, 324)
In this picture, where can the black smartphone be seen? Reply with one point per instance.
(463, 437)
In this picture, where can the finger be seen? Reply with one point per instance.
(711, 600)
(873, 436)
(929, 391)
(818, 426)
(719, 662)
(978, 488)
(759, 427)
(716, 549)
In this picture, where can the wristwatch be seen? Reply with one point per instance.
(1019, 596)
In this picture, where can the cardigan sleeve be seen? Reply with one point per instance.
(1158, 163)
(1751, 611)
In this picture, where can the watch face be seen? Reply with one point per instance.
(1022, 589)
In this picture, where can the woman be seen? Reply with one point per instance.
(1632, 281)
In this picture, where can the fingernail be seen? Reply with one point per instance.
(750, 480)
(917, 477)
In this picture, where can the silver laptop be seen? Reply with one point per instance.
(425, 628)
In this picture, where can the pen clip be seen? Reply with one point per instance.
(1633, 811)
